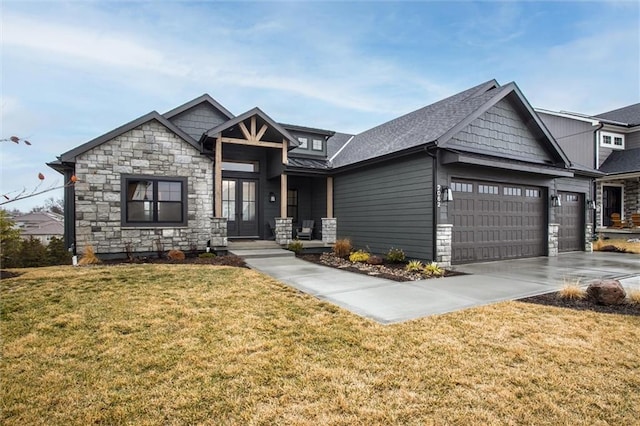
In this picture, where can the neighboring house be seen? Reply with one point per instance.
(610, 143)
(40, 225)
(199, 175)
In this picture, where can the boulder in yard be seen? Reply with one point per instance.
(375, 260)
(606, 292)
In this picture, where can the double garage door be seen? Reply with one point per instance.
(494, 221)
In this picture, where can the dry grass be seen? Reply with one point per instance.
(192, 344)
(634, 296)
(572, 291)
(89, 257)
(618, 243)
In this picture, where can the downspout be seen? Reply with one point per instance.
(434, 208)
(596, 167)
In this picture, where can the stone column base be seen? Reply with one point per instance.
(218, 232)
(554, 230)
(588, 234)
(284, 230)
(329, 230)
(443, 244)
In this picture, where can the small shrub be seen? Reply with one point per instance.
(395, 255)
(433, 270)
(89, 257)
(206, 255)
(295, 246)
(10, 242)
(572, 291)
(342, 247)
(57, 254)
(175, 255)
(634, 296)
(33, 253)
(414, 266)
(359, 256)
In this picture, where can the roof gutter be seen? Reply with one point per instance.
(432, 151)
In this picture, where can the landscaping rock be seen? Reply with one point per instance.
(375, 260)
(606, 292)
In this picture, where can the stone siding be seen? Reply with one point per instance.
(150, 150)
(329, 230)
(284, 230)
(554, 230)
(443, 244)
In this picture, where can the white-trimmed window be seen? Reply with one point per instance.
(303, 143)
(317, 145)
(612, 140)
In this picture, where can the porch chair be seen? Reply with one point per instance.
(306, 231)
(635, 219)
(615, 221)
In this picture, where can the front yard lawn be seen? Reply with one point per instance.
(200, 344)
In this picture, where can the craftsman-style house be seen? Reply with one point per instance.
(473, 177)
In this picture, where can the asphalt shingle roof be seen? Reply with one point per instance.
(623, 161)
(629, 114)
(416, 128)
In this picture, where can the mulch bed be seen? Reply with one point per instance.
(554, 299)
(390, 271)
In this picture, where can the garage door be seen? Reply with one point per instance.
(493, 221)
(570, 216)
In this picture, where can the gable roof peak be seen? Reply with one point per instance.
(204, 98)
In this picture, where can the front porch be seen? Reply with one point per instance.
(258, 193)
(617, 195)
(622, 233)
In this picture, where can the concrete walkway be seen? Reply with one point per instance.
(390, 302)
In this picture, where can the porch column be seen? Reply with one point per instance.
(218, 232)
(329, 230)
(283, 195)
(444, 233)
(217, 180)
(554, 229)
(329, 197)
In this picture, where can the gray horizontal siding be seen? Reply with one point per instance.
(576, 138)
(632, 140)
(501, 131)
(388, 205)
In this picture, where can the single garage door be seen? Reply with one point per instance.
(494, 221)
(570, 217)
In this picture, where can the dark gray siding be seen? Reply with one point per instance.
(632, 140)
(312, 200)
(388, 205)
(199, 119)
(576, 138)
(501, 131)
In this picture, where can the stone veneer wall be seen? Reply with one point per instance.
(443, 244)
(329, 230)
(554, 230)
(153, 150)
(284, 230)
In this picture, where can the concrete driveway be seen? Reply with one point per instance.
(388, 302)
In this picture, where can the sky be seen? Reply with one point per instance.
(74, 70)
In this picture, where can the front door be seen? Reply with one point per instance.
(239, 206)
(611, 203)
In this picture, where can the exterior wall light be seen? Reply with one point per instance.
(591, 204)
(272, 197)
(447, 194)
(555, 201)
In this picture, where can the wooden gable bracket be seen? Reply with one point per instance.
(252, 137)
